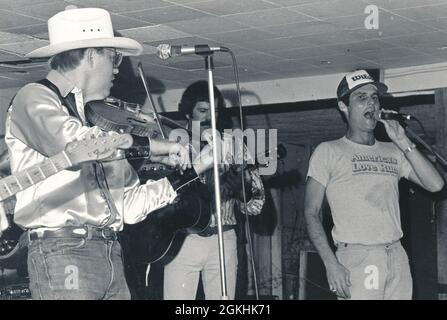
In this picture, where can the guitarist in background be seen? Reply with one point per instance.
(72, 218)
(199, 254)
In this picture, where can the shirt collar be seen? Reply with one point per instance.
(64, 85)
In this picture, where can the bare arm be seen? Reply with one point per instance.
(423, 173)
(338, 275)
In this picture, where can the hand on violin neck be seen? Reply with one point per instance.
(204, 161)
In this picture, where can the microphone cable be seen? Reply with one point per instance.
(247, 220)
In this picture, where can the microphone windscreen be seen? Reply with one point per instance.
(377, 115)
(164, 51)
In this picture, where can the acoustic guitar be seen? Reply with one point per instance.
(76, 152)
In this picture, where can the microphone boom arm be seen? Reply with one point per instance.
(411, 133)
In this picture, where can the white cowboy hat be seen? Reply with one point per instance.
(84, 28)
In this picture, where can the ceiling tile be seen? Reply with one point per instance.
(6, 56)
(343, 59)
(22, 48)
(8, 37)
(270, 45)
(419, 40)
(424, 13)
(397, 4)
(287, 67)
(362, 46)
(121, 6)
(168, 14)
(303, 53)
(33, 30)
(386, 53)
(331, 9)
(257, 60)
(271, 39)
(8, 4)
(240, 36)
(301, 29)
(206, 25)
(42, 10)
(336, 37)
(225, 7)
(438, 24)
(153, 33)
(9, 19)
(270, 17)
(122, 22)
(287, 3)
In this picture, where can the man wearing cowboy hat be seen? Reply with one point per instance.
(73, 217)
(359, 176)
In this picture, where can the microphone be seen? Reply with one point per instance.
(392, 116)
(165, 51)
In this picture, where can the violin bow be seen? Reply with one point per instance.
(148, 93)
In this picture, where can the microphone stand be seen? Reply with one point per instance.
(411, 133)
(209, 66)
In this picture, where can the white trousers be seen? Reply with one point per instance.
(201, 255)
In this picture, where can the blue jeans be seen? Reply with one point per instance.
(377, 272)
(76, 269)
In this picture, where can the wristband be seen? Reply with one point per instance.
(409, 149)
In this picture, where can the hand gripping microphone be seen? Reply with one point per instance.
(379, 115)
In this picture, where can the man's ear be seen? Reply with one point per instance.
(342, 106)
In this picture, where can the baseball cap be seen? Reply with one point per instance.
(355, 80)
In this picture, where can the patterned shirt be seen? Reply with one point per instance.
(229, 201)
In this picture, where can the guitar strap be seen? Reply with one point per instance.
(70, 103)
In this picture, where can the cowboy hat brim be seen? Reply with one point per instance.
(126, 46)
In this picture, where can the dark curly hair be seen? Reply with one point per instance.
(198, 91)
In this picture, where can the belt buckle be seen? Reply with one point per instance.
(108, 234)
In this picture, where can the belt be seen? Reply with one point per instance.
(209, 231)
(363, 246)
(83, 232)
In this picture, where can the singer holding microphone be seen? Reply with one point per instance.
(359, 176)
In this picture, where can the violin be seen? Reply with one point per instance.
(124, 117)
(112, 114)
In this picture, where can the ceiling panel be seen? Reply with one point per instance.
(206, 25)
(226, 7)
(9, 19)
(271, 17)
(424, 13)
(272, 39)
(398, 4)
(301, 29)
(331, 9)
(275, 44)
(121, 5)
(168, 14)
(241, 36)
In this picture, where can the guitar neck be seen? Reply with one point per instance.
(13, 184)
